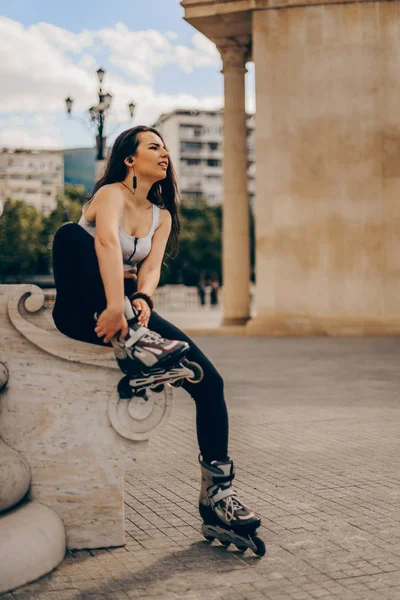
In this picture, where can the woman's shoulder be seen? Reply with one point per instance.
(106, 196)
(110, 189)
(165, 216)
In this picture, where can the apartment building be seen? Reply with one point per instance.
(195, 141)
(35, 176)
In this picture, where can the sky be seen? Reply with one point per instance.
(50, 50)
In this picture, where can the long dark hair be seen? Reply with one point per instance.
(163, 193)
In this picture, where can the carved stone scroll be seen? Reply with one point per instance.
(61, 411)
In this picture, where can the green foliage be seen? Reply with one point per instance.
(26, 234)
(26, 237)
(76, 193)
(200, 248)
(21, 226)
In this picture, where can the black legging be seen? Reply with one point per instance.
(80, 294)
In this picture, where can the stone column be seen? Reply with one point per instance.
(236, 244)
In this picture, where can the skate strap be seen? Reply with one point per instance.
(223, 478)
(134, 336)
(221, 494)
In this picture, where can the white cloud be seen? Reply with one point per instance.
(63, 39)
(42, 64)
(38, 131)
(140, 53)
(87, 62)
(35, 72)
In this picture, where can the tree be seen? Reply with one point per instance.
(26, 235)
(68, 208)
(76, 193)
(199, 245)
(21, 227)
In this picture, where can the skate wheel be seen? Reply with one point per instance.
(158, 388)
(241, 548)
(178, 383)
(225, 543)
(259, 545)
(209, 538)
(141, 394)
(197, 370)
(124, 389)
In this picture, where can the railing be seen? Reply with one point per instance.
(167, 297)
(181, 297)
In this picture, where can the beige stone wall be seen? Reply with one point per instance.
(328, 168)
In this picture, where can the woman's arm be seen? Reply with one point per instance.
(109, 206)
(149, 272)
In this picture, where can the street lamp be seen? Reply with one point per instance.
(69, 102)
(98, 114)
(100, 74)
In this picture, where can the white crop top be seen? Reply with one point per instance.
(134, 249)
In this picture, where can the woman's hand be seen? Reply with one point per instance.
(131, 274)
(144, 311)
(109, 322)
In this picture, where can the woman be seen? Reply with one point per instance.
(131, 217)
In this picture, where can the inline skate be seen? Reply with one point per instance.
(225, 518)
(150, 361)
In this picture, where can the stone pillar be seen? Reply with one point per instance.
(236, 244)
(328, 178)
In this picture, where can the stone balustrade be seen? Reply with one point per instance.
(66, 436)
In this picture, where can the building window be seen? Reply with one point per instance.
(191, 129)
(213, 162)
(213, 146)
(191, 146)
(191, 161)
(191, 195)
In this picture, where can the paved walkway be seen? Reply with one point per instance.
(195, 318)
(315, 435)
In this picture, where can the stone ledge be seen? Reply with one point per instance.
(62, 412)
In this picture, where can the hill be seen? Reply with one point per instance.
(79, 167)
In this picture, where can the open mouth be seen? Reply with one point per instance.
(163, 164)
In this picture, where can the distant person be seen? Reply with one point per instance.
(214, 291)
(131, 217)
(201, 289)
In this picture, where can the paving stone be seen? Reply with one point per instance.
(314, 435)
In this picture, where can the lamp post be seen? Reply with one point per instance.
(97, 115)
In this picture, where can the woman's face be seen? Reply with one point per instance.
(151, 159)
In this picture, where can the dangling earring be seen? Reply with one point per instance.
(134, 180)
